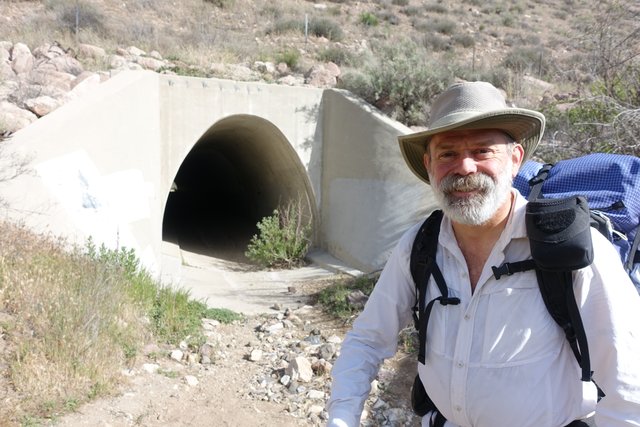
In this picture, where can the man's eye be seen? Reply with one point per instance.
(483, 153)
(447, 155)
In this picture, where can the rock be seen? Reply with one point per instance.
(14, 118)
(21, 58)
(357, 299)
(42, 105)
(191, 380)
(323, 75)
(177, 355)
(150, 63)
(300, 369)
(88, 51)
(256, 355)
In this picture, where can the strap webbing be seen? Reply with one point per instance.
(423, 266)
(537, 181)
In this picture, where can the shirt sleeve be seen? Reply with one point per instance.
(610, 310)
(373, 338)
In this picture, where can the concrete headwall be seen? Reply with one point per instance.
(105, 165)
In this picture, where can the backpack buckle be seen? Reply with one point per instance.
(503, 270)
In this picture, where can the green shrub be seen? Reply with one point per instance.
(533, 60)
(400, 2)
(436, 42)
(337, 55)
(442, 25)
(283, 238)
(285, 26)
(222, 4)
(223, 315)
(291, 57)
(333, 299)
(464, 40)
(435, 8)
(400, 81)
(368, 19)
(325, 27)
(78, 15)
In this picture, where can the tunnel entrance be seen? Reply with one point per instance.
(237, 173)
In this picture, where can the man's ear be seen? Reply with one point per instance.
(426, 160)
(517, 154)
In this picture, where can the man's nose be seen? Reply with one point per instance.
(466, 165)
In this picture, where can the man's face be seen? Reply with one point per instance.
(471, 172)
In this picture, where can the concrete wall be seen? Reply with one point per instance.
(103, 165)
(369, 196)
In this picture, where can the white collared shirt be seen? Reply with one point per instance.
(498, 359)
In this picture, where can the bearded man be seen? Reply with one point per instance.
(497, 358)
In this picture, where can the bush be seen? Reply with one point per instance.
(531, 60)
(79, 15)
(400, 81)
(291, 57)
(368, 19)
(324, 27)
(283, 238)
(334, 301)
(336, 55)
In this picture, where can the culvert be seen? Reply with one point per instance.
(238, 172)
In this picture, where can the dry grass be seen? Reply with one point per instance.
(67, 325)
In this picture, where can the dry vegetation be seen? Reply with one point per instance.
(62, 339)
(578, 61)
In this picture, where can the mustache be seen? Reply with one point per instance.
(473, 182)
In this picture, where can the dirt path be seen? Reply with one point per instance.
(231, 391)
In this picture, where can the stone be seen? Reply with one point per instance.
(191, 380)
(42, 105)
(151, 368)
(89, 51)
(255, 355)
(21, 58)
(149, 63)
(177, 355)
(300, 369)
(14, 118)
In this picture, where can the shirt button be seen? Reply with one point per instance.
(467, 316)
(458, 408)
(460, 364)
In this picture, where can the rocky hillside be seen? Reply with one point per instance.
(537, 51)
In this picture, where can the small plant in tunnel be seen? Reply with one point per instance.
(283, 238)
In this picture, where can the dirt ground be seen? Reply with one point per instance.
(220, 397)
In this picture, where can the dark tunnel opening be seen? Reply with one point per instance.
(239, 171)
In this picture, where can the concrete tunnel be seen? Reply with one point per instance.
(239, 171)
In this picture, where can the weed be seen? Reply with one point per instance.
(325, 27)
(283, 238)
(223, 315)
(404, 99)
(368, 19)
(291, 57)
(334, 301)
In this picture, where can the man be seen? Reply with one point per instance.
(497, 359)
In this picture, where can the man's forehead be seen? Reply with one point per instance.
(475, 136)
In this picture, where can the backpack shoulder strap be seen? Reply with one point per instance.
(423, 265)
(556, 288)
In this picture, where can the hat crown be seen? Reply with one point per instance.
(463, 100)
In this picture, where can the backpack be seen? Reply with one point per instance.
(611, 185)
(599, 190)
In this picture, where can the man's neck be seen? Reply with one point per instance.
(476, 241)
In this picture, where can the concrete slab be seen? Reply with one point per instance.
(242, 288)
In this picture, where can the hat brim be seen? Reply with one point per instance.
(524, 126)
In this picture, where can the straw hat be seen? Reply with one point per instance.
(472, 105)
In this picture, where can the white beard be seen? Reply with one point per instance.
(478, 208)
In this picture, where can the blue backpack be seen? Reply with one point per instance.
(611, 185)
